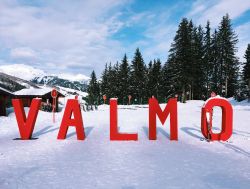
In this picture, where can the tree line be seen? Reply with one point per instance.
(200, 61)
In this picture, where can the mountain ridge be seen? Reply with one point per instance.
(11, 74)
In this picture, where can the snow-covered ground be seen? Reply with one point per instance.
(98, 162)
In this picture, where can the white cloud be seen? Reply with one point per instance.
(213, 10)
(22, 53)
(244, 39)
(71, 37)
(77, 37)
(158, 35)
(161, 38)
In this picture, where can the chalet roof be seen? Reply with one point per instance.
(5, 92)
(34, 92)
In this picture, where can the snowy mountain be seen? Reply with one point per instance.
(13, 83)
(72, 92)
(38, 76)
(56, 81)
(10, 79)
(22, 71)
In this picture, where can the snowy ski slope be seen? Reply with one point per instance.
(98, 162)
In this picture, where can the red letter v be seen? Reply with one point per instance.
(26, 126)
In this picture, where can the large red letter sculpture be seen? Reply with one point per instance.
(155, 109)
(114, 133)
(227, 119)
(72, 107)
(26, 125)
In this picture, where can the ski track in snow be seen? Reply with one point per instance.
(98, 162)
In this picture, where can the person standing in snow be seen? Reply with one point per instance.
(209, 116)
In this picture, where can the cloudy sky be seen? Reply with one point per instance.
(82, 35)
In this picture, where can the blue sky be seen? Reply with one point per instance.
(74, 37)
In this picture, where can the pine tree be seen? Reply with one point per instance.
(197, 64)
(150, 84)
(181, 58)
(207, 61)
(124, 77)
(93, 90)
(215, 81)
(246, 70)
(157, 79)
(170, 83)
(104, 82)
(138, 78)
(105, 85)
(113, 79)
(228, 62)
(154, 79)
(109, 79)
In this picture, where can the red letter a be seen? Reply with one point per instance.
(26, 126)
(72, 107)
(114, 134)
(155, 109)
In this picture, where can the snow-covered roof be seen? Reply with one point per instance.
(33, 91)
(5, 91)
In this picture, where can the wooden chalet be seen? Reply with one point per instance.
(44, 93)
(5, 97)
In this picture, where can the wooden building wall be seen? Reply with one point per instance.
(2, 105)
(27, 101)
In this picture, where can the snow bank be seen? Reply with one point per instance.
(216, 97)
(98, 162)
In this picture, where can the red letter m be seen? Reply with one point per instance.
(155, 109)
